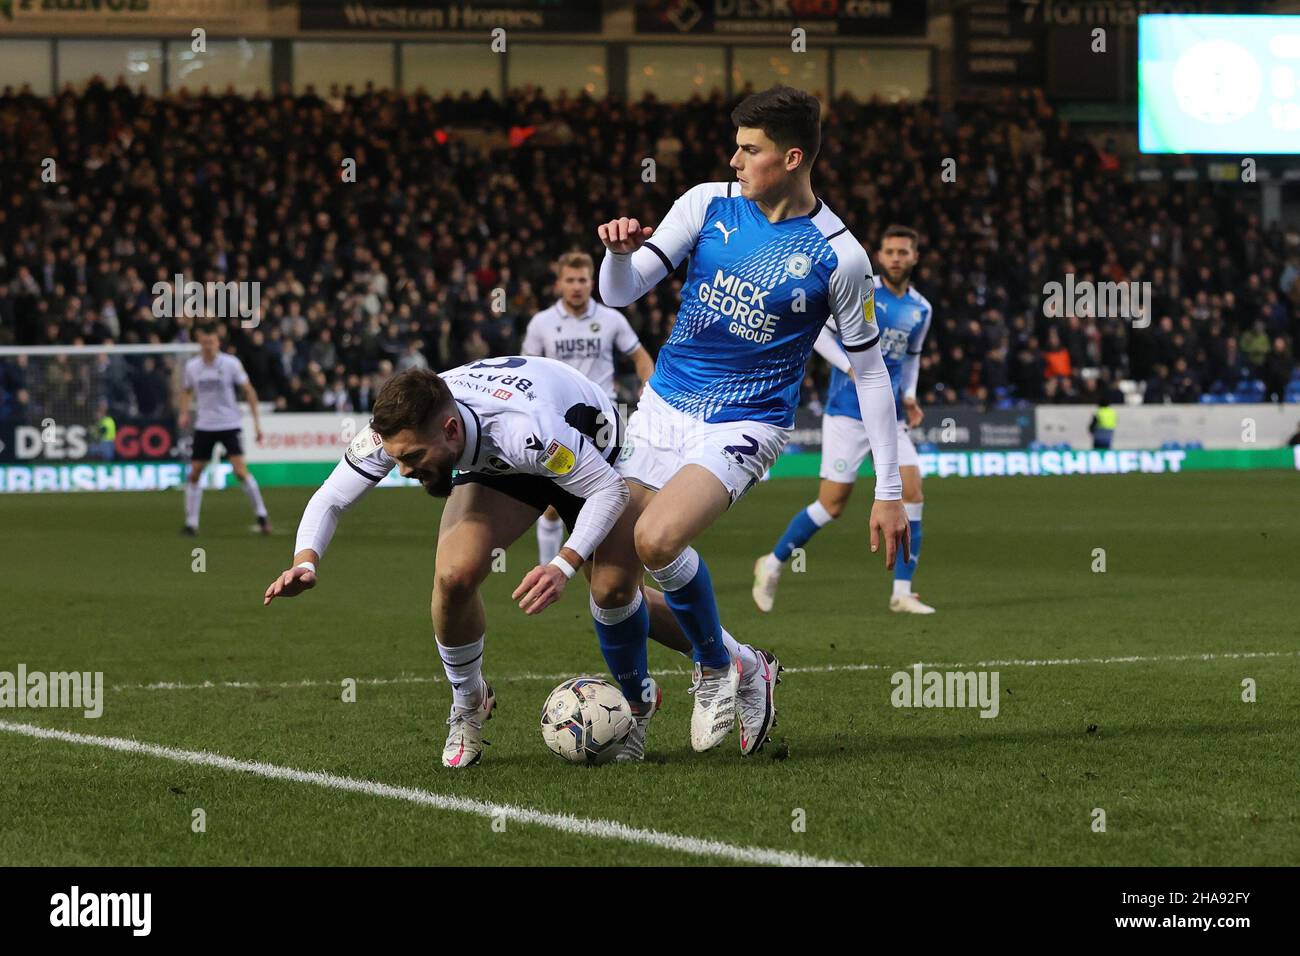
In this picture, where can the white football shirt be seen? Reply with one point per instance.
(523, 416)
(213, 385)
(587, 342)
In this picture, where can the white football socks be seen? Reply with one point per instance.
(748, 659)
(820, 516)
(550, 538)
(464, 668)
(193, 499)
(254, 494)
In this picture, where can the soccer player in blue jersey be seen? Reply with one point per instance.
(769, 263)
(903, 316)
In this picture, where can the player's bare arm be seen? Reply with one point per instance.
(645, 365)
(251, 397)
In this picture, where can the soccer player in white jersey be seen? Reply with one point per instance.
(209, 383)
(769, 264)
(579, 331)
(520, 434)
(903, 315)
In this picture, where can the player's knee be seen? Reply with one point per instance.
(609, 591)
(457, 583)
(656, 547)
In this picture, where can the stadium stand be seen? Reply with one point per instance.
(457, 197)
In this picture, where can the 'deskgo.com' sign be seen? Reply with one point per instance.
(836, 17)
(135, 439)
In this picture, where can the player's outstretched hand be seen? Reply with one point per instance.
(540, 588)
(889, 520)
(290, 584)
(623, 235)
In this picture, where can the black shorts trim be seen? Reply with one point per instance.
(532, 490)
(206, 441)
(536, 491)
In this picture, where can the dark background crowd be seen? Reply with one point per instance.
(457, 198)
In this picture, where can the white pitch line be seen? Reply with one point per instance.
(817, 669)
(579, 826)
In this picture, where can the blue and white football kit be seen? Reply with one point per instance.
(757, 293)
(726, 384)
(903, 321)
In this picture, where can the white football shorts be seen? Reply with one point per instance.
(845, 447)
(661, 440)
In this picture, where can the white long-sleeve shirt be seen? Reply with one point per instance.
(522, 416)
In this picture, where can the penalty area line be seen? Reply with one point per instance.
(577, 826)
(679, 672)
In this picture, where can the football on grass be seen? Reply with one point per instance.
(586, 720)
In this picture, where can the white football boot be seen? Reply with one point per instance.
(465, 740)
(909, 604)
(715, 705)
(756, 701)
(634, 746)
(765, 581)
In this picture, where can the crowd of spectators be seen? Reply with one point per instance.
(441, 247)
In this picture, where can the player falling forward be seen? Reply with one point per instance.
(210, 380)
(522, 434)
(903, 315)
(579, 331)
(769, 263)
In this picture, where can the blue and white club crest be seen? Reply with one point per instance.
(798, 265)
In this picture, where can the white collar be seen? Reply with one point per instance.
(564, 312)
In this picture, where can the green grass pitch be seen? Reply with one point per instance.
(1186, 772)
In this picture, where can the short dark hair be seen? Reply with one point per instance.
(788, 117)
(408, 400)
(208, 328)
(897, 231)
